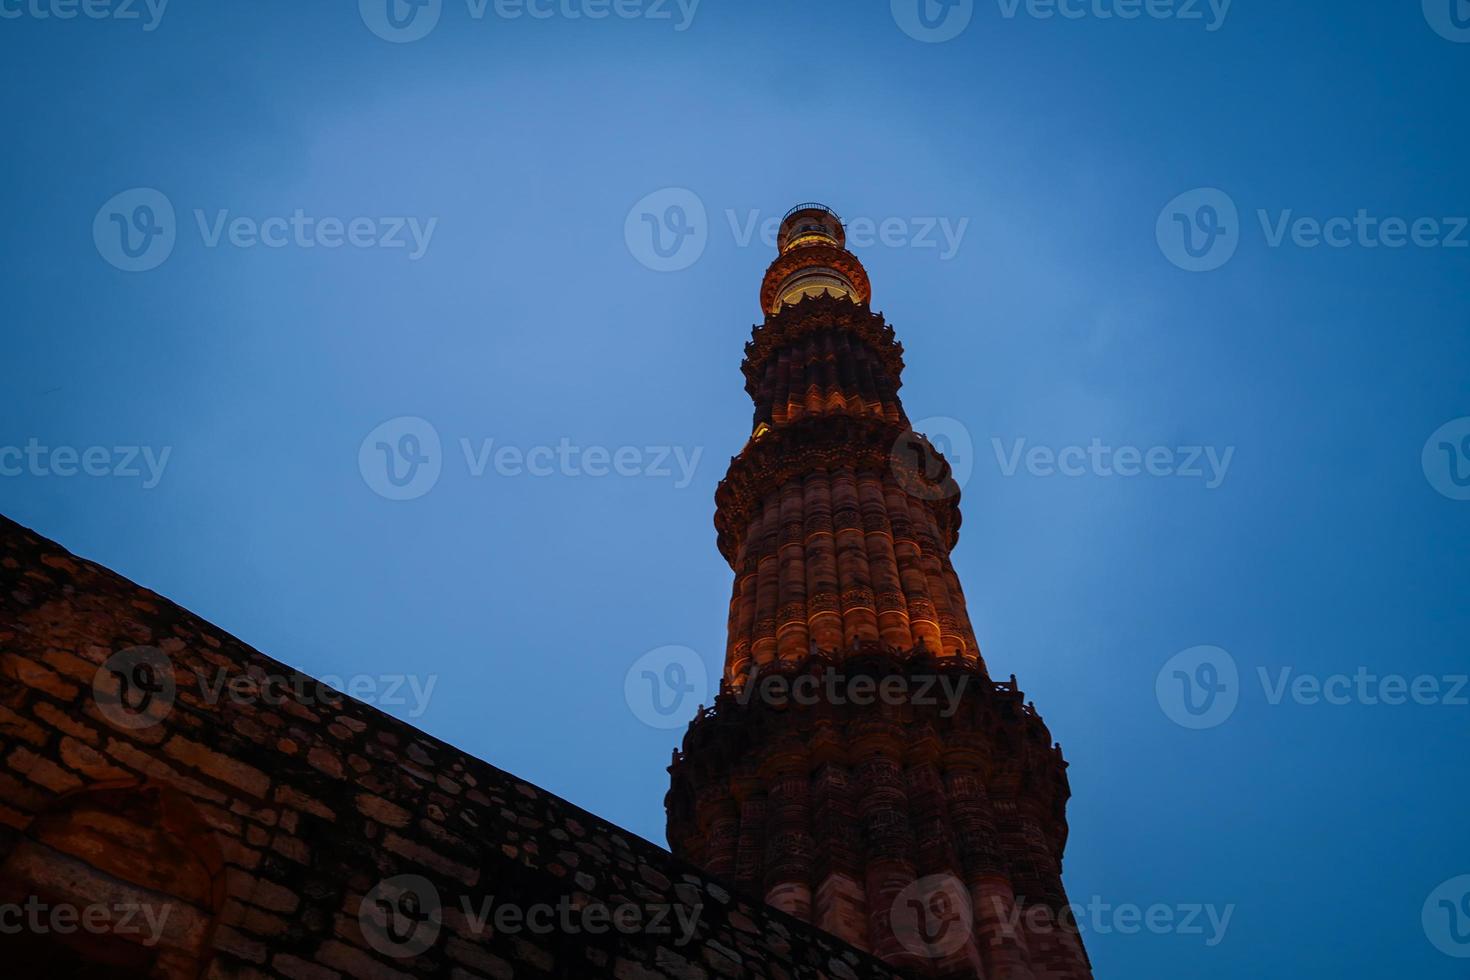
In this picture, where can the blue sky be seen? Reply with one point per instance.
(1067, 156)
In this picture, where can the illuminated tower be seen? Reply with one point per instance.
(859, 768)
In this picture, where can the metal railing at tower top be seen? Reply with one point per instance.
(811, 206)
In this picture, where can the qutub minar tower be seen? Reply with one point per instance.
(860, 770)
(862, 802)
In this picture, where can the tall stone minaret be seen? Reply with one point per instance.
(860, 769)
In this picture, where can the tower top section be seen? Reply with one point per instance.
(813, 260)
(810, 224)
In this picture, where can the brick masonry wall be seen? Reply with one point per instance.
(310, 837)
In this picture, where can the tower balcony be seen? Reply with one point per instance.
(810, 224)
(813, 260)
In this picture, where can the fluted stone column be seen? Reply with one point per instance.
(841, 812)
(789, 844)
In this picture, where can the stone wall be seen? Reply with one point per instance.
(174, 803)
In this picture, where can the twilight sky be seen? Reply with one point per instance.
(1185, 293)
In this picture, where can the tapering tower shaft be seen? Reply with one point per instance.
(860, 769)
